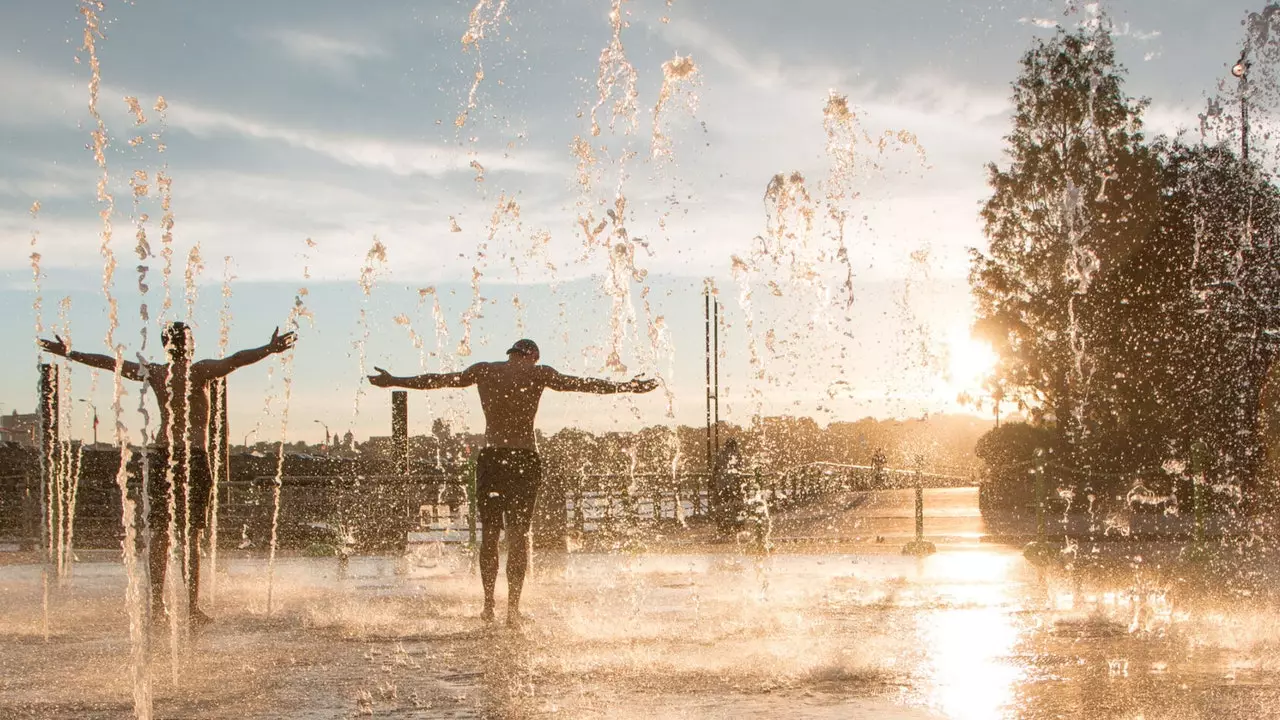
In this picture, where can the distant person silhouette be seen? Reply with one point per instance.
(727, 502)
(181, 388)
(508, 470)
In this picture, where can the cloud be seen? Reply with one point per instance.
(312, 49)
(934, 94)
(36, 97)
(50, 97)
(1046, 23)
(763, 70)
(394, 156)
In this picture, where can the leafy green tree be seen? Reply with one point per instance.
(1079, 191)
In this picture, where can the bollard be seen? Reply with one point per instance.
(1199, 453)
(1040, 552)
(919, 547)
(400, 431)
(1040, 524)
(1198, 553)
(919, 512)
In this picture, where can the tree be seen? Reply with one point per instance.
(1079, 192)
(1009, 454)
(1191, 314)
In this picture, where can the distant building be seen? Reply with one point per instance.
(20, 429)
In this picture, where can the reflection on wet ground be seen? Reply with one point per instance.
(972, 632)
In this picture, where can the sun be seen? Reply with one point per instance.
(969, 361)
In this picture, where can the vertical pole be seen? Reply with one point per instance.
(715, 359)
(919, 507)
(400, 431)
(697, 496)
(49, 443)
(1244, 113)
(1199, 467)
(1039, 471)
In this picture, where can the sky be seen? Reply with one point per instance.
(385, 157)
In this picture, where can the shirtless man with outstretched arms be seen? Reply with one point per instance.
(508, 470)
(181, 388)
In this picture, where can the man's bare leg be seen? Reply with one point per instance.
(517, 565)
(489, 567)
(195, 616)
(157, 565)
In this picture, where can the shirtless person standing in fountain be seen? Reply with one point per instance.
(508, 471)
(181, 388)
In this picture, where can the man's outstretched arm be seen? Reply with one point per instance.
(568, 383)
(425, 381)
(225, 366)
(56, 346)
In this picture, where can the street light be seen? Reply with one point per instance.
(1241, 71)
(95, 417)
(326, 430)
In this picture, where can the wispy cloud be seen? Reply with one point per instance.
(395, 156)
(313, 49)
(1046, 23)
(762, 69)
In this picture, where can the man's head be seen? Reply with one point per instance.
(525, 351)
(177, 341)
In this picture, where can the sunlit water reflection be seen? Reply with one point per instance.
(972, 632)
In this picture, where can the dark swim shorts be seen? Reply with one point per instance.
(507, 482)
(201, 485)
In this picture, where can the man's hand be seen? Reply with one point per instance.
(279, 343)
(382, 379)
(55, 346)
(641, 385)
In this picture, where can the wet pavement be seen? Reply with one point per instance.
(853, 631)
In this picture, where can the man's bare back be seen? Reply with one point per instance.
(180, 386)
(508, 470)
(510, 393)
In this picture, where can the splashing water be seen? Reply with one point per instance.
(299, 310)
(507, 211)
(585, 157)
(484, 17)
(64, 480)
(375, 260)
(219, 467)
(36, 275)
(617, 79)
(164, 186)
(679, 77)
(139, 665)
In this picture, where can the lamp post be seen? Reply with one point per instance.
(1241, 71)
(95, 417)
(326, 431)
